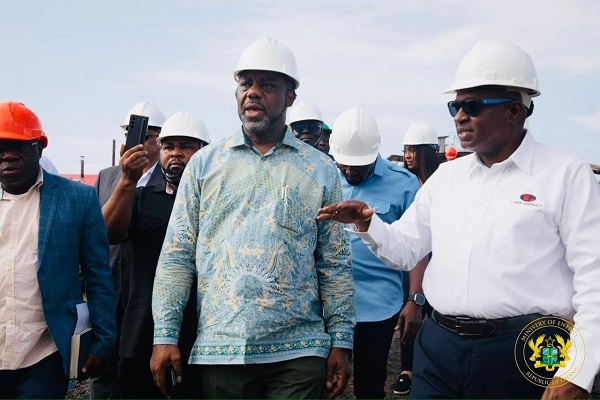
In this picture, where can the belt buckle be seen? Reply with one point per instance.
(460, 321)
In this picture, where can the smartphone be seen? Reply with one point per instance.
(171, 379)
(136, 131)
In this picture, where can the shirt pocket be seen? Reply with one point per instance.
(517, 231)
(381, 207)
(297, 212)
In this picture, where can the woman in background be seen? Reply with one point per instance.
(421, 158)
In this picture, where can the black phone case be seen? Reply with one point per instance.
(136, 131)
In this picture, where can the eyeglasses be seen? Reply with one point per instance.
(472, 107)
(312, 127)
(16, 147)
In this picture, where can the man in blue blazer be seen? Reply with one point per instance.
(51, 229)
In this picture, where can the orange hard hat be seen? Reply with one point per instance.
(451, 153)
(17, 122)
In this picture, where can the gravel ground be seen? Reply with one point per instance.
(81, 389)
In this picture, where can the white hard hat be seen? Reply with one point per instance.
(355, 138)
(155, 116)
(303, 111)
(184, 124)
(495, 62)
(421, 133)
(268, 55)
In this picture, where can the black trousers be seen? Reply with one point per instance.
(447, 365)
(137, 381)
(372, 341)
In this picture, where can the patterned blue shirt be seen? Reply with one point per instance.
(390, 190)
(274, 283)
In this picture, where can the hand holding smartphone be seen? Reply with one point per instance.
(171, 379)
(136, 131)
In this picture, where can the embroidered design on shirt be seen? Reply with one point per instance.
(527, 199)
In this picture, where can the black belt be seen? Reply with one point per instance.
(466, 326)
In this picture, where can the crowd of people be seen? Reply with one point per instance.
(280, 261)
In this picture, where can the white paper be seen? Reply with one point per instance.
(83, 318)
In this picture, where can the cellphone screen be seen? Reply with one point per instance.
(136, 131)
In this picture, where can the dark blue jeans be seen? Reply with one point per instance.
(43, 380)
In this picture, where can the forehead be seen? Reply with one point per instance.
(15, 142)
(261, 75)
(178, 139)
(481, 92)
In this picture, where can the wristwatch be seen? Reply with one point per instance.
(419, 299)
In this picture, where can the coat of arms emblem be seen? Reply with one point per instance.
(549, 356)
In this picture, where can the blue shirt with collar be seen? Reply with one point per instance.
(378, 288)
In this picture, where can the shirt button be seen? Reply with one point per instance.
(10, 322)
(10, 294)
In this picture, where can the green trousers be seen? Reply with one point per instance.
(301, 378)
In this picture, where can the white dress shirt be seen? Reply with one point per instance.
(520, 237)
(146, 176)
(24, 336)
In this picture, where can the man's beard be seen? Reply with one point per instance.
(264, 125)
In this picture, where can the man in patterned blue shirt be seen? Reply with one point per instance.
(275, 292)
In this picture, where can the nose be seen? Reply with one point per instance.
(350, 171)
(255, 90)
(460, 116)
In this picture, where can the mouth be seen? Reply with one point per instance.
(254, 110)
(10, 170)
(463, 134)
(307, 139)
(176, 166)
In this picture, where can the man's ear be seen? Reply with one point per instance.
(517, 112)
(290, 96)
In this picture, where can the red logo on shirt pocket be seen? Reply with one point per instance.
(527, 197)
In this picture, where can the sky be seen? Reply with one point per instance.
(81, 65)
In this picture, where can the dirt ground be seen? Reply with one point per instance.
(80, 389)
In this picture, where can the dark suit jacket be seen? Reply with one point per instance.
(121, 255)
(151, 210)
(72, 233)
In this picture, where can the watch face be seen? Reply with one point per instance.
(419, 299)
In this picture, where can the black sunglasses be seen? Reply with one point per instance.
(472, 107)
(312, 127)
(20, 147)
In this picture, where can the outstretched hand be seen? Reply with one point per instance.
(347, 212)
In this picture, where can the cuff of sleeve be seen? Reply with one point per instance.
(375, 227)
(343, 340)
(166, 336)
(583, 378)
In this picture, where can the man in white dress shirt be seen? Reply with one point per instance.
(513, 229)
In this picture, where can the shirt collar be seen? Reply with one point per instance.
(522, 157)
(379, 166)
(240, 139)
